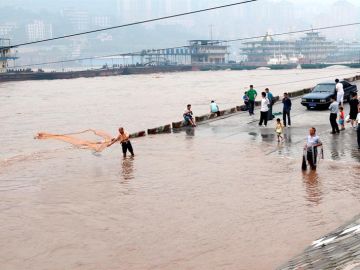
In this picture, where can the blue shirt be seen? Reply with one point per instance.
(214, 107)
(287, 104)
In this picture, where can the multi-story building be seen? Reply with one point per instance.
(80, 20)
(312, 48)
(5, 54)
(208, 51)
(38, 30)
(7, 28)
(101, 21)
(315, 48)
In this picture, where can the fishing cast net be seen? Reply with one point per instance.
(81, 139)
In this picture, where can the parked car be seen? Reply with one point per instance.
(321, 93)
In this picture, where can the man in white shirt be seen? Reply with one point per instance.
(339, 92)
(264, 109)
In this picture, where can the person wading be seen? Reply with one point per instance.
(124, 139)
(310, 149)
(252, 94)
(334, 110)
(264, 110)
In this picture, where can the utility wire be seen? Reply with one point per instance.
(187, 46)
(134, 23)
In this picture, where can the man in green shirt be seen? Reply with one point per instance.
(251, 93)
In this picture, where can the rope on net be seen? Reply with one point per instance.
(97, 146)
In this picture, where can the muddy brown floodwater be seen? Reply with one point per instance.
(222, 196)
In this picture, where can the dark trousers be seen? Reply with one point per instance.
(263, 118)
(127, 146)
(334, 124)
(358, 135)
(251, 106)
(270, 114)
(312, 157)
(286, 113)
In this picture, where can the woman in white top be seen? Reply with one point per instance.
(264, 109)
(312, 143)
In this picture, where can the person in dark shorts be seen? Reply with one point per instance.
(354, 104)
(124, 139)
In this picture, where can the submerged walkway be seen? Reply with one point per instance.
(337, 250)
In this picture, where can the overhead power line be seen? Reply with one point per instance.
(134, 23)
(186, 46)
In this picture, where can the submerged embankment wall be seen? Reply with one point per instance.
(168, 128)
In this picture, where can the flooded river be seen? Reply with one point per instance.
(223, 196)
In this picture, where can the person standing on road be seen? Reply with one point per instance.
(279, 129)
(251, 93)
(339, 92)
(270, 97)
(334, 110)
(214, 108)
(124, 139)
(286, 109)
(341, 118)
(354, 104)
(358, 127)
(264, 110)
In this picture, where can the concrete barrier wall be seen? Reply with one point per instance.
(159, 130)
(138, 134)
(179, 124)
(203, 118)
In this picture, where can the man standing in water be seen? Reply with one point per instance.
(124, 139)
(312, 143)
(251, 93)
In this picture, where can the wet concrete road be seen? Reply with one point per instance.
(225, 195)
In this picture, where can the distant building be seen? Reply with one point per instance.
(347, 51)
(80, 20)
(261, 52)
(208, 51)
(7, 28)
(312, 48)
(5, 54)
(101, 21)
(38, 30)
(315, 48)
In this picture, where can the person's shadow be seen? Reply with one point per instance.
(312, 186)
